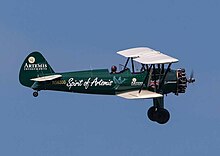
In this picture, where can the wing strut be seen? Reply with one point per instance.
(132, 61)
(126, 63)
(163, 79)
(155, 80)
(147, 76)
(149, 71)
(143, 67)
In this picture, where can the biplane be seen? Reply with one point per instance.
(153, 80)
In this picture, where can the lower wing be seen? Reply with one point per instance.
(144, 94)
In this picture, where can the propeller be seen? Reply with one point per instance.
(191, 78)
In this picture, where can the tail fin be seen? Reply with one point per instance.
(33, 66)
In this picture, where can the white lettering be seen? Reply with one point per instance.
(88, 83)
(134, 82)
(35, 66)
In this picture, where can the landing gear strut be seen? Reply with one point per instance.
(35, 94)
(160, 115)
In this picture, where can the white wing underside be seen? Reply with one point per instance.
(145, 94)
(46, 78)
(146, 55)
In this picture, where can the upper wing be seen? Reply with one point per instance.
(46, 78)
(146, 55)
(144, 94)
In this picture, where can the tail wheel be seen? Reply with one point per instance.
(35, 94)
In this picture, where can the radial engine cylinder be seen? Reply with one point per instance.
(181, 81)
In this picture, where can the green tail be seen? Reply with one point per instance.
(34, 65)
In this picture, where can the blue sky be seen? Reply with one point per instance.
(78, 35)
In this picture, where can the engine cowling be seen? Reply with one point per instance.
(181, 81)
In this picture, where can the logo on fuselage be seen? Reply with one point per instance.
(134, 82)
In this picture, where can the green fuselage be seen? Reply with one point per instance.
(153, 80)
(102, 82)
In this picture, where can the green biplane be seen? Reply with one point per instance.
(153, 80)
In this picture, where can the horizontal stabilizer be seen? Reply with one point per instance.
(146, 55)
(144, 94)
(46, 78)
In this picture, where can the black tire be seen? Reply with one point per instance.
(163, 116)
(152, 113)
(35, 94)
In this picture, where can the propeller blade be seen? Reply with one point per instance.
(191, 78)
(192, 74)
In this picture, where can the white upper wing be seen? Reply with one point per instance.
(145, 94)
(147, 56)
(46, 78)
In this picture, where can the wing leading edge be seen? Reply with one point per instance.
(146, 55)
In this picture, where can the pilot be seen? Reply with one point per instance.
(113, 69)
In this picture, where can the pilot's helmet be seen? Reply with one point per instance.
(114, 69)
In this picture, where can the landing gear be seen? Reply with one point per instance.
(35, 94)
(163, 116)
(160, 115)
(152, 113)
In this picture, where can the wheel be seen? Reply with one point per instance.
(162, 116)
(152, 113)
(35, 94)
